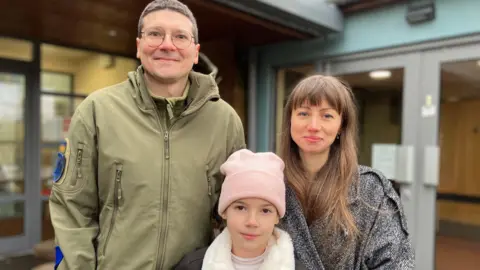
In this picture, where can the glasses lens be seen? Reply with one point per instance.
(155, 38)
(181, 41)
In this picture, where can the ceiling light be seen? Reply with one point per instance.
(380, 74)
(112, 33)
(453, 99)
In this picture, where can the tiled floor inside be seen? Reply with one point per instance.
(452, 254)
(26, 262)
(455, 253)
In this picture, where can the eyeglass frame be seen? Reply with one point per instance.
(192, 40)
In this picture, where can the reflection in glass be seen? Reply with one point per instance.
(47, 161)
(56, 112)
(88, 71)
(12, 93)
(47, 228)
(78, 100)
(379, 99)
(56, 82)
(16, 49)
(11, 218)
(458, 210)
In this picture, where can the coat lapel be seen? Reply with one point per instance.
(295, 224)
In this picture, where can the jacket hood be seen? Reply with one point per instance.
(205, 66)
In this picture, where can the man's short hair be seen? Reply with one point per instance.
(173, 5)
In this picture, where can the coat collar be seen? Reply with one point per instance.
(203, 88)
(280, 254)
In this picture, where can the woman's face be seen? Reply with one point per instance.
(250, 222)
(315, 128)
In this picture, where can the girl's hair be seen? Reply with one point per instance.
(326, 196)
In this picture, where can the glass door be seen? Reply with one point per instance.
(386, 92)
(450, 138)
(14, 232)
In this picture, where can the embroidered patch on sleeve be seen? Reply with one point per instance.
(61, 163)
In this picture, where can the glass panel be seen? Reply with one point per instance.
(12, 93)
(458, 199)
(47, 228)
(287, 78)
(379, 99)
(11, 219)
(47, 161)
(77, 102)
(56, 82)
(56, 112)
(90, 71)
(16, 49)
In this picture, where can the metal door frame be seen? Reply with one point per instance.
(31, 195)
(428, 139)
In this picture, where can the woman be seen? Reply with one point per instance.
(340, 215)
(252, 202)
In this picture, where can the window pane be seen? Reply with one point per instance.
(90, 70)
(47, 161)
(11, 218)
(12, 92)
(56, 112)
(56, 82)
(458, 210)
(47, 228)
(16, 49)
(378, 96)
(78, 100)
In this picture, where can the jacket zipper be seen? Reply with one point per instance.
(209, 181)
(165, 186)
(117, 196)
(78, 163)
(163, 230)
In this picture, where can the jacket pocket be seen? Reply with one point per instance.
(117, 198)
(78, 165)
(74, 168)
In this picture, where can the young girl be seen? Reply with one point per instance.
(252, 201)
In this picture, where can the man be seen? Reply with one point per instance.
(138, 176)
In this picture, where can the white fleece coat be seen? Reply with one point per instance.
(279, 257)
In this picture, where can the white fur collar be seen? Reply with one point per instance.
(279, 257)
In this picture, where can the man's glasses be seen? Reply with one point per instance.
(155, 38)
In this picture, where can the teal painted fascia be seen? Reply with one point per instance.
(366, 31)
(382, 28)
(265, 106)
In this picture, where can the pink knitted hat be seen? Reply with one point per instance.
(253, 175)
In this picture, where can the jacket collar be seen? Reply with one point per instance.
(280, 254)
(203, 88)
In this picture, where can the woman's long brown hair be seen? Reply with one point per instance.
(326, 196)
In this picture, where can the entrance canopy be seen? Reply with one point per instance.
(111, 25)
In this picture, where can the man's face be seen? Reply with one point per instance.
(166, 62)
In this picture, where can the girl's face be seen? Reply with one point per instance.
(315, 128)
(250, 222)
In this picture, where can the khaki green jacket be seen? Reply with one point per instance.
(136, 184)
